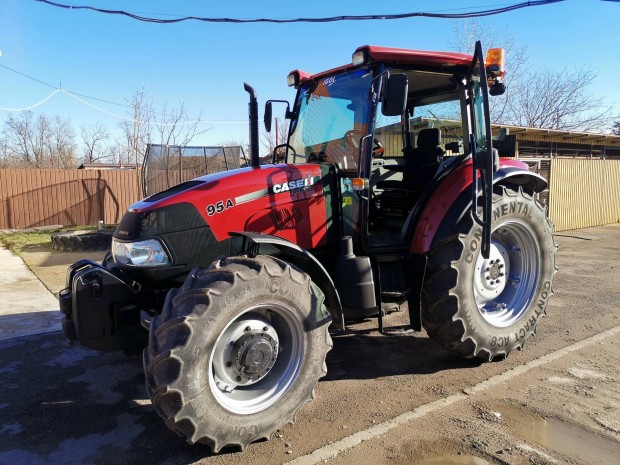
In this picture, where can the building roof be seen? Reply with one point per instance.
(107, 166)
(539, 142)
(556, 135)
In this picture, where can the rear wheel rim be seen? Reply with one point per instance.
(256, 358)
(505, 283)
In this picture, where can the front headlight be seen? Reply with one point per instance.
(146, 253)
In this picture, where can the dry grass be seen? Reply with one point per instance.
(32, 239)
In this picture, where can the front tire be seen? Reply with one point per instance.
(485, 308)
(237, 351)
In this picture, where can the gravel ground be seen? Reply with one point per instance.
(408, 399)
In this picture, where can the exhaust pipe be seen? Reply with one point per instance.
(253, 113)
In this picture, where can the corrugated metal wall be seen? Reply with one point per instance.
(584, 193)
(36, 197)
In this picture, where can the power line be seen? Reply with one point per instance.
(29, 77)
(462, 8)
(31, 107)
(151, 123)
(58, 88)
(126, 118)
(472, 14)
(76, 96)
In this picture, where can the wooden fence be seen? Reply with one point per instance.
(33, 197)
(582, 193)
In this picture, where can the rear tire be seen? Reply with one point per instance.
(486, 308)
(237, 351)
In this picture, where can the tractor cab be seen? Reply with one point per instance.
(406, 136)
(393, 124)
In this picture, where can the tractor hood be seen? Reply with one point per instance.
(283, 200)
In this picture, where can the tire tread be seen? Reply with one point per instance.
(165, 383)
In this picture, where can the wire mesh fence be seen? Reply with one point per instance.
(168, 165)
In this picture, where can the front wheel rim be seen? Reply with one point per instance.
(256, 358)
(505, 283)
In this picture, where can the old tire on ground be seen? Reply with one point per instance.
(76, 241)
(237, 350)
(486, 308)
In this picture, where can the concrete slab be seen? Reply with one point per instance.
(50, 266)
(591, 234)
(26, 305)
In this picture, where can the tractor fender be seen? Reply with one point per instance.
(450, 200)
(516, 176)
(301, 258)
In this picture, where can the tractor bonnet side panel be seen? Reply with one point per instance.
(289, 201)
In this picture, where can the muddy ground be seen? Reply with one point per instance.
(385, 400)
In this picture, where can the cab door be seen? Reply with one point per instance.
(482, 147)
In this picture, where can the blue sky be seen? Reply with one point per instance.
(204, 65)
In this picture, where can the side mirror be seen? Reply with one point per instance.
(394, 98)
(267, 116)
(497, 88)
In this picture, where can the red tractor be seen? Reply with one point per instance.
(391, 190)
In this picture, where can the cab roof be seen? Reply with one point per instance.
(442, 61)
(417, 57)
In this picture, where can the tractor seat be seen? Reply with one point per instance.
(421, 163)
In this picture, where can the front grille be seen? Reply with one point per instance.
(178, 217)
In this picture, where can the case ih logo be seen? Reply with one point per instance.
(292, 186)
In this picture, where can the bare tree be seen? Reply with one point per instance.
(277, 136)
(560, 100)
(466, 34)
(174, 130)
(20, 132)
(174, 126)
(6, 160)
(94, 138)
(61, 143)
(138, 129)
(116, 151)
(167, 126)
(538, 98)
(137, 132)
(39, 142)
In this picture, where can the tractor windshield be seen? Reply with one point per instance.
(332, 118)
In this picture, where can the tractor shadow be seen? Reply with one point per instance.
(364, 353)
(71, 405)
